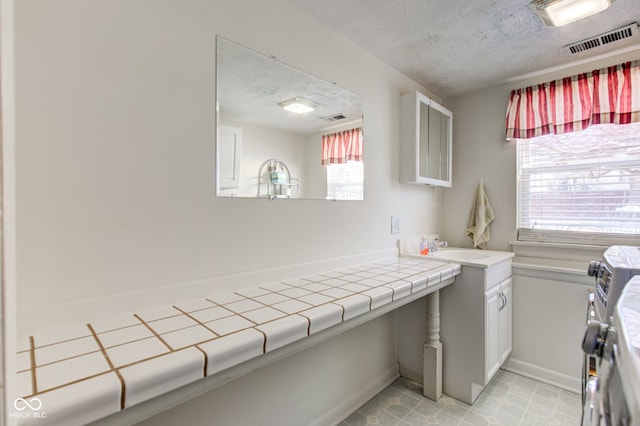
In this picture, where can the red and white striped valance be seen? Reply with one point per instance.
(338, 148)
(609, 95)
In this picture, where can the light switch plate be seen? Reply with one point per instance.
(395, 225)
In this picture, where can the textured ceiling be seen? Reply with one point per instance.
(250, 87)
(457, 46)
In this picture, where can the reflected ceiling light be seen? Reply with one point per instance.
(562, 12)
(298, 105)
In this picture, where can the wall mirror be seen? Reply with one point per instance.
(282, 133)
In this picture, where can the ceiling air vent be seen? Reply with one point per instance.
(602, 39)
(336, 117)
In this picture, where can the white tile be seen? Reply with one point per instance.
(223, 298)
(446, 273)
(292, 306)
(323, 317)
(385, 279)
(275, 286)
(315, 287)
(228, 351)
(313, 278)
(418, 282)
(229, 325)
(23, 360)
(398, 275)
(70, 370)
(81, 403)
(356, 288)
(157, 376)
(336, 293)
(315, 299)
(136, 351)
(332, 274)
(68, 349)
(271, 298)
(101, 325)
(296, 282)
(295, 292)
(433, 277)
(371, 282)
(283, 331)
(263, 315)
(211, 314)
(355, 305)
(158, 312)
(334, 282)
(350, 278)
(400, 289)
(171, 324)
(24, 384)
(124, 335)
(59, 334)
(379, 296)
(243, 306)
(252, 292)
(365, 274)
(188, 336)
(194, 305)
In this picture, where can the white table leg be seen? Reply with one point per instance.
(432, 357)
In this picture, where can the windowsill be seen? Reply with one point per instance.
(558, 251)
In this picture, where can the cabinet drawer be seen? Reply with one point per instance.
(496, 274)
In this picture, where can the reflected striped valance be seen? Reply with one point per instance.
(608, 95)
(338, 148)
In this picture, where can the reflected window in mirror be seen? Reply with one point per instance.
(342, 156)
(265, 150)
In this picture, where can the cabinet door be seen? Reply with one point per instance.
(492, 358)
(506, 320)
(229, 147)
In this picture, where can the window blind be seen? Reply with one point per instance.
(581, 186)
(345, 181)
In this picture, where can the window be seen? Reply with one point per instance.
(345, 181)
(581, 186)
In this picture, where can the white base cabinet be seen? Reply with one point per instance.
(476, 329)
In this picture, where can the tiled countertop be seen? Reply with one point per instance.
(84, 372)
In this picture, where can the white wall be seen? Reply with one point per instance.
(116, 143)
(114, 176)
(261, 143)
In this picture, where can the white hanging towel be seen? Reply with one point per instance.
(480, 218)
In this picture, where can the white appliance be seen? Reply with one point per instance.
(613, 397)
(618, 265)
(612, 273)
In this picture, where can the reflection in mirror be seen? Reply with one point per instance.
(282, 133)
(434, 142)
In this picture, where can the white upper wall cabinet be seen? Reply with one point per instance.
(425, 141)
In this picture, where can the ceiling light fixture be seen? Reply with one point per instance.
(563, 12)
(298, 105)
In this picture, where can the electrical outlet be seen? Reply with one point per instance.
(395, 225)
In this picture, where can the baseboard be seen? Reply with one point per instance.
(550, 377)
(348, 406)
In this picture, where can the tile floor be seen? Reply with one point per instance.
(509, 400)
